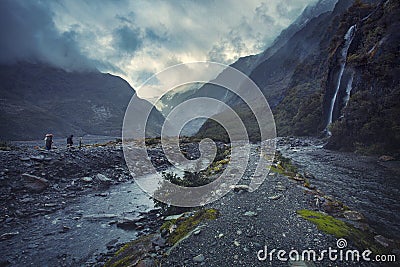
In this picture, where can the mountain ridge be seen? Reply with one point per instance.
(38, 98)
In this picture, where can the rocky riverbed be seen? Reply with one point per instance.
(288, 212)
(77, 207)
(68, 207)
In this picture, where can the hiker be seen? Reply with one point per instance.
(80, 142)
(48, 141)
(70, 143)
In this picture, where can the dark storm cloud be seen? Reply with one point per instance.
(28, 33)
(123, 19)
(128, 39)
(136, 38)
(153, 36)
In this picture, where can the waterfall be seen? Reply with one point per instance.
(342, 60)
(348, 88)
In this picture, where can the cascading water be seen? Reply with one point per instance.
(348, 89)
(342, 60)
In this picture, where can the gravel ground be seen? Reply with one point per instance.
(251, 221)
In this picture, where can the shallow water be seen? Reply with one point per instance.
(47, 241)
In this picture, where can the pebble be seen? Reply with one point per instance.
(6, 236)
(383, 240)
(102, 178)
(199, 258)
(250, 214)
(240, 187)
(276, 197)
(280, 188)
(87, 179)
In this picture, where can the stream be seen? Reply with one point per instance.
(77, 234)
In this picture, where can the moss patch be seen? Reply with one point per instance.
(340, 229)
(131, 253)
(185, 225)
(283, 165)
(168, 225)
(326, 223)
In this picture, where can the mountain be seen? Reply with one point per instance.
(292, 69)
(255, 65)
(338, 75)
(37, 99)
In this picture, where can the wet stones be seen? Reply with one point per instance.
(130, 223)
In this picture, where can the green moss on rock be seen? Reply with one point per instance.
(186, 225)
(326, 223)
(341, 229)
(132, 253)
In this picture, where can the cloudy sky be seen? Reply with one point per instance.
(135, 39)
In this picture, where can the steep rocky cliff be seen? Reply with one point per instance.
(290, 75)
(367, 110)
(338, 76)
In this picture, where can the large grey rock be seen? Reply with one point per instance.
(34, 183)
